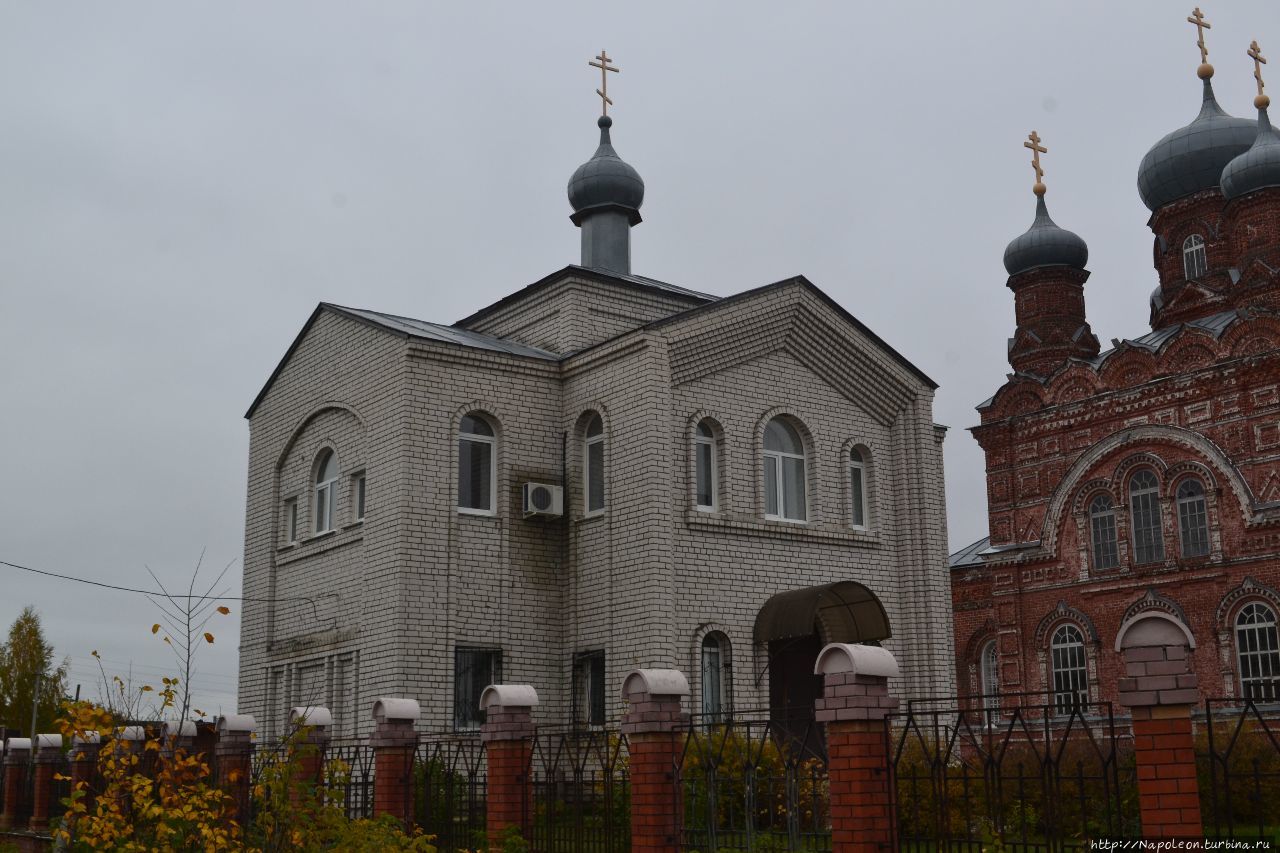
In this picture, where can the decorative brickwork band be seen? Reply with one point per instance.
(855, 701)
(48, 762)
(507, 734)
(1160, 689)
(17, 763)
(653, 725)
(82, 764)
(234, 757)
(394, 741)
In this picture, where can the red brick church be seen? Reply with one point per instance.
(1145, 477)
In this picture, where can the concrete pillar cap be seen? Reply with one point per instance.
(170, 728)
(857, 659)
(509, 696)
(131, 733)
(86, 738)
(52, 739)
(388, 708)
(236, 723)
(17, 743)
(311, 715)
(655, 682)
(1153, 628)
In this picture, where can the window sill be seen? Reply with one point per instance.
(477, 513)
(790, 529)
(323, 534)
(321, 543)
(359, 522)
(592, 517)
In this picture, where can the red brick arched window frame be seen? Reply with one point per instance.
(1232, 603)
(1062, 614)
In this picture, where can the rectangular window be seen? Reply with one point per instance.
(793, 491)
(1070, 681)
(1194, 524)
(359, 490)
(859, 502)
(291, 521)
(595, 476)
(1148, 540)
(706, 471)
(1105, 553)
(324, 507)
(473, 670)
(771, 487)
(588, 688)
(475, 475)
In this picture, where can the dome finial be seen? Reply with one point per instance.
(1033, 142)
(1205, 71)
(602, 62)
(1261, 101)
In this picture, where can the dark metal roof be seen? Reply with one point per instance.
(847, 612)
(969, 555)
(1256, 168)
(1214, 324)
(1191, 159)
(443, 334)
(1044, 244)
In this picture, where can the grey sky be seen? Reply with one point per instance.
(183, 182)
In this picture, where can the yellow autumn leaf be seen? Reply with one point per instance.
(208, 638)
(155, 629)
(224, 610)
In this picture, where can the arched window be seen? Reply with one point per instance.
(704, 454)
(477, 468)
(1070, 677)
(715, 676)
(857, 489)
(1102, 527)
(1195, 262)
(989, 673)
(1193, 519)
(1258, 651)
(784, 476)
(1144, 514)
(593, 466)
(326, 490)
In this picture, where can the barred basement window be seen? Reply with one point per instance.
(588, 688)
(715, 676)
(473, 670)
(784, 473)
(593, 467)
(1144, 508)
(704, 449)
(1195, 261)
(1258, 652)
(1102, 526)
(477, 471)
(1193, 519)
(326, 490)
(1070, 676)
(990, 676)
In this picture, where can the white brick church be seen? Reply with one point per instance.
(596, 473)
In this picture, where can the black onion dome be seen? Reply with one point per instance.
(606, 180)
(1258, 167)
(1191, 159)
(1045, 245)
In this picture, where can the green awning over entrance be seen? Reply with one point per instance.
(841, 612)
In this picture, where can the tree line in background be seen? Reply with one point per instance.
(29, 681)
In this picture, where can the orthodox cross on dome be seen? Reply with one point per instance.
(1033, 142)
(603, 64)
(1255, 53)
(1197, 18)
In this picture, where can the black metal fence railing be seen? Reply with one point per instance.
(750, 781)
(348, 777)
(581, 798)
(449, 791)
(1238, 769)
(1022, 777)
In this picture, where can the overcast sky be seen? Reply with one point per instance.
(182, 183)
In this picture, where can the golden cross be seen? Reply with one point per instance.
(1033, 142)
(1197, 18)
(1258, 61)
(603, 91)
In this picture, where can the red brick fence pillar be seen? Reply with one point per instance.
(234, 757)
(855, 701)
(17, 763)
(395, 743)
(312, 723)
(507, 734)
(1160, 689)
(175, 737)
(654, 726)
(82, 764)
(48, 762)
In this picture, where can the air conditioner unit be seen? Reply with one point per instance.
(543, 499)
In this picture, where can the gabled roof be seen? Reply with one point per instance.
(970, 555)
(1214, 324)
(406, 327)
(573, 270)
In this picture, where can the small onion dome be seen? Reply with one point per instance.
(605, 181)
(1045, 245)
(1258, 167)
(1191, 158)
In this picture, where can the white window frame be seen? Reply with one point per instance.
(1195, 258)
(775, 459)
(714, 645)
(588, 442)
(1104, 517)
(492, 441)
(1262, 652)
(291, 517)
(329, 488)
(858, 466)
(1072, 690)
(709, 441)
(1143, 500)
(1186, 507)
(989, 676)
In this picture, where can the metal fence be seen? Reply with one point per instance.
(1024, 776)
(1238, 768)
(449, 791)
(749, 781)
(581, 797)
